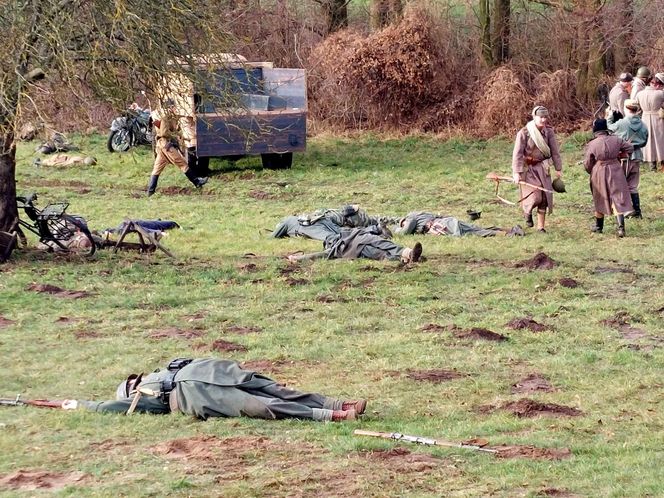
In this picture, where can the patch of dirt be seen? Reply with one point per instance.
(57, 291)
(559, 493)
(479, 333)
(247, 175)
(240, 330)
(606, 269)
(5, 322)
(60, 183)
(109, 445)
(210, 448)
(539, 262)
(433, 327)
(261, 195)
(182, 191)
(86, 334)
(325, 298)
(222, 346)
(288, 270)
(195, 317)
(531, 384)
(531, 452)
(570, 283)
(66, 319)
(526, 408)
(30, 480)
(248, 268)
(435, 375)
(620, 322)
(293, 282)
(402, 459)
(527, 323)
(175, 333)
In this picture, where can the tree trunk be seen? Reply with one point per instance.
(385, 12)
(591, 51)
(336, 13)
(8, 209)
(501, 31)
(485, 26)
(623, 46)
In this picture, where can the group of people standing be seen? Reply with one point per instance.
(632, 132)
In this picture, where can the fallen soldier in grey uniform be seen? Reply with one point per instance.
(218, 388)
(362, 243)
(323, 223)
(423, 222)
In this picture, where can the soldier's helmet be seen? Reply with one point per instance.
(559, 185)
(643, 72)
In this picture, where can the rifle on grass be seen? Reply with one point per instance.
(397, 436)
(41, 403)
(497, 178)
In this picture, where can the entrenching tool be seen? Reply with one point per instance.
(397, 436)
(497, 178)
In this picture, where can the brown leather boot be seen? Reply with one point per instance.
(341, 415)
(358, 405)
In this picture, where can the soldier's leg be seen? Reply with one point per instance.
(541, 220)
(633, 180)
(599, 223)
(312, 400)
(381, 248)
(294, 258)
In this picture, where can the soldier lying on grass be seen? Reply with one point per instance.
(219, 388)
(437, 224)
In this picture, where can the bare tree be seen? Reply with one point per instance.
(111, 46)
(336, 13)
(385, 12)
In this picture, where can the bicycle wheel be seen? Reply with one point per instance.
(70, 234)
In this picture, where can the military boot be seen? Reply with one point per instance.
(152, 184)
(636, 202)
(358, 405)
(198, 181)
(529, 220)
(599, 225)
(621, 225)
(341, 415)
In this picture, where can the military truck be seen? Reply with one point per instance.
(247, 108)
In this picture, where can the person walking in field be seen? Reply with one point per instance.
(211, 387)
(651, 101)
(632, 129)
(607, 177)
(168, 149)
(619, 93)
(535, 151)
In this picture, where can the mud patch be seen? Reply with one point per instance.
(294, 282)
(109, 445)
(403, 459)
(261, 195)
(326, 298)
(240, 330)
(66, 319)
(607, 269)
(433, 327)
(527, 408)
(86, 334)
(57, 291)
(434, 375)
(527, 323)
(175, 333)
(479, 333)
(620, 322)
(570, 283)
(182, 191)
(195, 317)
(30, 480)
(224, 346)
(248, 268)
(210, 448)
(539, 262)
(558, 493)
(5, 322)
(533, 383)
(531, 452)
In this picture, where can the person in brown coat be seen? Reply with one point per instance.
(535, 150)
(168, 149)
(607, 177)
(651, 101)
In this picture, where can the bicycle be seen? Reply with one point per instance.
(53, 226)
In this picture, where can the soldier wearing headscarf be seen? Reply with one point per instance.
(651, 101)
(535, 151)
(607, 177)
(632, 129)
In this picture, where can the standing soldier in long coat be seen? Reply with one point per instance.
(651, 101)
(168, 149)
(643, 77)
(535, 150)
(607, 177)
(632, 129)
(619, 93)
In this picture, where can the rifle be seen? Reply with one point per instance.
(397, 436)
(41, 403)
(497, 178)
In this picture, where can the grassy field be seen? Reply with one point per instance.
(347, 328)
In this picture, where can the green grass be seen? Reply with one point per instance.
(348, 347)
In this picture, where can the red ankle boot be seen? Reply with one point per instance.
(341, 415)
(358, 405)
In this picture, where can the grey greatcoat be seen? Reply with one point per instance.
(651, 101)
(221, 388)
(607, 177)
(617, 97)
(361, 243)
(532, 167)
(635, 132)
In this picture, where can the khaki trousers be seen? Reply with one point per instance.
(167, 154)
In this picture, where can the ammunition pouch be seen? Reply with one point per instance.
(168, 384)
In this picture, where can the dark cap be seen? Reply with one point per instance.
(625, 77)
(599, 125)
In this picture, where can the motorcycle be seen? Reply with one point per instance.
(131, 129)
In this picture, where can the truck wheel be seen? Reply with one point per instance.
(277, 161)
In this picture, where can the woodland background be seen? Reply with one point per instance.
(440, 66)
